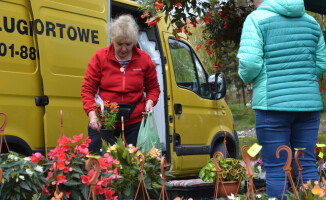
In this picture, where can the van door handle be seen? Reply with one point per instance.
(42, 101)
(177, 108)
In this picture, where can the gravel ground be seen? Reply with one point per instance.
(251, 132)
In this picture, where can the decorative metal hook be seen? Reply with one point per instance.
(218, 171)
(55, 169)
(2, 132)
(299, 167)
(141, 159)
(163, 191)
(61, 123)
(320, 160)
(93, 180)
(250, 174)
(123, 131)
(1, 175)
(287, 168)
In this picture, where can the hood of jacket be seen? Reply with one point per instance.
(289, 8)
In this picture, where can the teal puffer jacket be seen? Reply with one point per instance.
(282, 51)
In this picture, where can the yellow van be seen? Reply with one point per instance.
(44, 50)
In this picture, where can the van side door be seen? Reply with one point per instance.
(68, 34)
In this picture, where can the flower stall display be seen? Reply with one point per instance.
(107, 115)
(129, 169)
(22, 178)
(72, 177)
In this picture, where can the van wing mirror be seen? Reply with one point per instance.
(219, 88)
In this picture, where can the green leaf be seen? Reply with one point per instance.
(76, 195)
(127, 190)
(72, 183)
(16, 189)
(77, 169)
(85, 191)
(24, 185)
(148, 182)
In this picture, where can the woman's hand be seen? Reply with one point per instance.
(149, 105)
(93, 122)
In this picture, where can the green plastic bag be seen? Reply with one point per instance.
(148, 135)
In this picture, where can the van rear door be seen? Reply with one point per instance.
(20, 76)
(68, 34)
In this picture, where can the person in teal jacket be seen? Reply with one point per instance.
(282, 52)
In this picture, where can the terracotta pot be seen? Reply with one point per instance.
(107, 135)
(230, 187)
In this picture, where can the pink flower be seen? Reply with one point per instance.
(77, 138)
(84, 179)
(61, 179)
(61, 164)
(109, 194)
(82, 149)
(87, 141)
(65, 170)
(115, 171)
(33, 159)
(68, 193)
(65, 147)
(110, 178)
(64, 140)
(45, 191)
(260, 161)
(61, 156)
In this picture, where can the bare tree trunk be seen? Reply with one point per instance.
(243, 93)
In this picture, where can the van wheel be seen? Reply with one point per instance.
(220, 147)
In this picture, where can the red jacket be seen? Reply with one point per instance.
(103, 72)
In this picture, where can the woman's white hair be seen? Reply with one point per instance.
(124, 28)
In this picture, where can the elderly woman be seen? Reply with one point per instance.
(122, 73)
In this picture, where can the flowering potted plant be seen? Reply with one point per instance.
(310, 191)
(108, 116)
(258, 169)
(22, 179)
(129, 169)
(72, 178)
(231, 175)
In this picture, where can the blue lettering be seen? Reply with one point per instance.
(31, 28)
(94, 34)
(50, 28)
(83, 34)
(22, 29)
(5, 24)
(74, 36)
(36, 22)
(61, 27)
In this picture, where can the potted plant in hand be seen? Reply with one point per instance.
(107, 117)
(231, 175)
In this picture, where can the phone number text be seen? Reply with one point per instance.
(22, 51)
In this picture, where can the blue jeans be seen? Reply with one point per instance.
(297, 129)
(130, 132)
